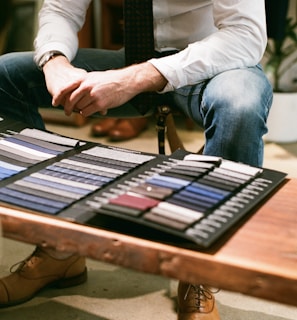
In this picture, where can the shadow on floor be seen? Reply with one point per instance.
(229, 313)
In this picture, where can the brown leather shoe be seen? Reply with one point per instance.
(102, 127)
(37, 272)
(126, 129)
(196, 302)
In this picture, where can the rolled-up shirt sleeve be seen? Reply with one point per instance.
(59, 23)
(240, 41)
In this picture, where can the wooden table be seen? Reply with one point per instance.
(259, 259)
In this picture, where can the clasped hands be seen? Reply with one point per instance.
(90, 92)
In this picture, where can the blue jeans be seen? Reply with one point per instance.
(232, 107)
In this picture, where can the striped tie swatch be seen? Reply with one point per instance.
(61, 183)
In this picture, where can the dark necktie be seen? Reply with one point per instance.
(139, 45)
(139, 33)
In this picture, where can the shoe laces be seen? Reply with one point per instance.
(19, 266)
(202, 294)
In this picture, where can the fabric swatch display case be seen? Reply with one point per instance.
(184, 197)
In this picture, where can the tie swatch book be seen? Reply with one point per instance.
(184, 197)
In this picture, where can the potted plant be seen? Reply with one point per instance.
(279, 61)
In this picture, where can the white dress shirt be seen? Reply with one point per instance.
(212, 35)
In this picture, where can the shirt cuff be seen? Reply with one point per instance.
(53, 46)
(161, 68)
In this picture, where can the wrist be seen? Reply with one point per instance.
(56, 63)
(48, 56)
(148, 78)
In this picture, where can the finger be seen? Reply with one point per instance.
(62, 103)
(82, 101)
(63, 94)
(91, 109)
(77, 100)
